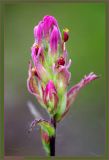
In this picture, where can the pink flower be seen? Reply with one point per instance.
(37, 54)
(64, 75)
(32, 85)
(54, 39)
(50, 96)
(73, 92)
(38, 32)
(49, 23)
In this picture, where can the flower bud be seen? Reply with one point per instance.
(37, 54)
(61, 61)
(65, 35)
(54, 38)
(50, 96)
(49, 22)
(38, 32)
(34, 52)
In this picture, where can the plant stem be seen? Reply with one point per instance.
(53, 138)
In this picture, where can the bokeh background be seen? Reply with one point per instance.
(82, 132)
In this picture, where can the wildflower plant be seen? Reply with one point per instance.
(49, 77)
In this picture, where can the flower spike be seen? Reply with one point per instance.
(49, 77)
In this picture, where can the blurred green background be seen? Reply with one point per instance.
(82, 132)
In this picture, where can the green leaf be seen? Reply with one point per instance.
(47, 131)
(47, 127)
(46, 147)
(45, 141)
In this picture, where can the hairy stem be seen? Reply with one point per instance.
(53, 138)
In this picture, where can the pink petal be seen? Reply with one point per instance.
(73, 92)
(50, 94)
(31, 84)
(50, 88)
(87, 79)
(38, 59)
(64, 75)
(38, 32)
(54, 39)
(42, 72)
(37, 54)
(49, 22)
